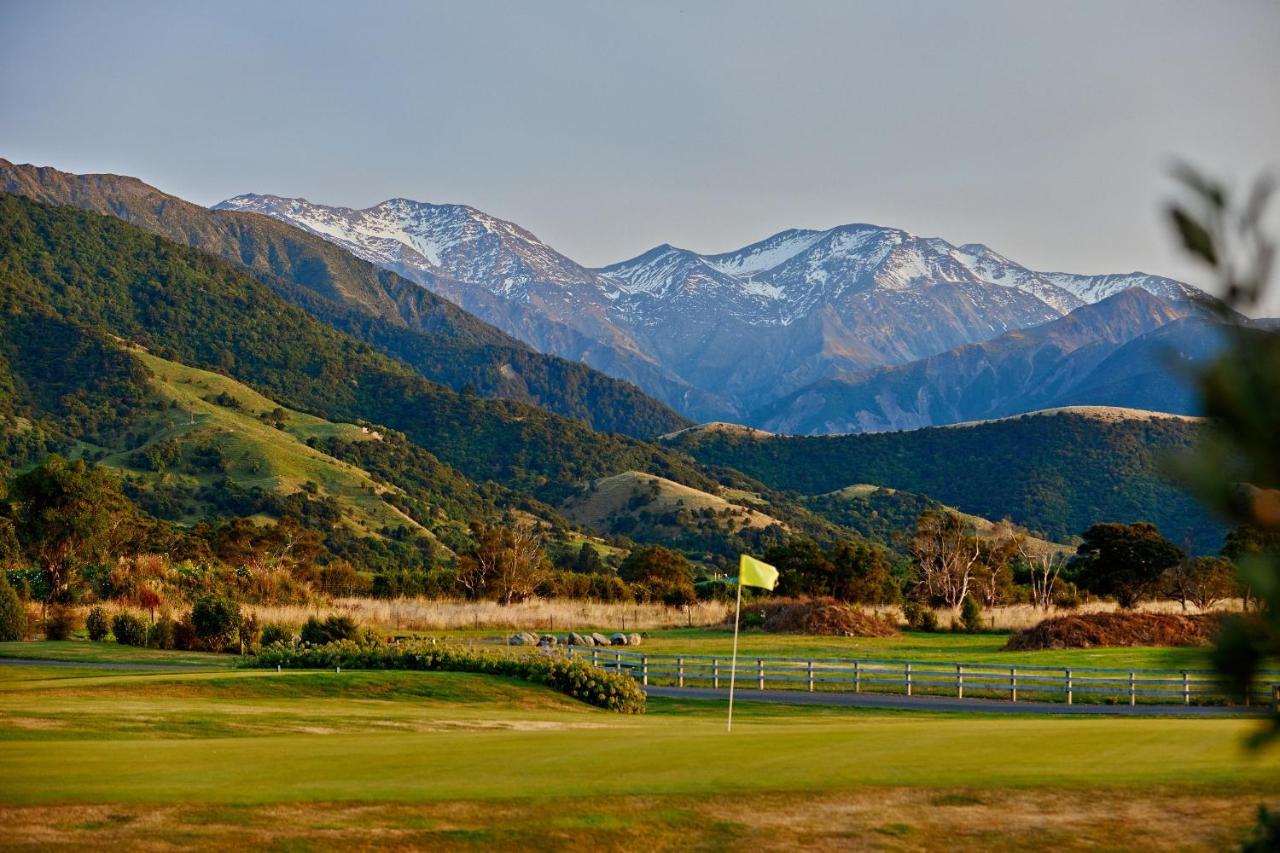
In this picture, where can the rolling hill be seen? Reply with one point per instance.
(1055, 473)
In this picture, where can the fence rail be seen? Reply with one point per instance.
(974, 680)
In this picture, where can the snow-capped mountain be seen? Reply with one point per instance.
(715, 335)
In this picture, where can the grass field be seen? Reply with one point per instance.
(376, 759)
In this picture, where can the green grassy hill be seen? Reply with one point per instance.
(214, 428)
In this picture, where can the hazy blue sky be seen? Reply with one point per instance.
(1042, 129)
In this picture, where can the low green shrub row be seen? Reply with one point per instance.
(579, 679)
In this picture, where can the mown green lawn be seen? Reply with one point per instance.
(250, 757)
(916, 646)
(83, 651)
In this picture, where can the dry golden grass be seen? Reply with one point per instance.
(1015, 617)
(612, 494)
(867, 818)
(425, 614)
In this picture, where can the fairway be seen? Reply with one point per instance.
(236, 746)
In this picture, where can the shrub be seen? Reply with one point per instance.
(129, 629)
(161, 635)
(610, 690)
(970, 615)
(249, 633)
(920, 617)
(1116, 629)
(273, 633)
(819, 616)
(96, 624)
(13, 618)
(331, 630)
(185, 636)
(216, 620)
(59, 623)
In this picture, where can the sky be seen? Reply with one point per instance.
(1045, 130)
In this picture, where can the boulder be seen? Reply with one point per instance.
(576, 639)
(599, 639)
(549, 640)
(530, 638)
(618, 639)
(518, 640)
(633, 639)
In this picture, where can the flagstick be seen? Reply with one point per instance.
(733, 666)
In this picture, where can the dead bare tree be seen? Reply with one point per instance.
(946, 551)
(1044, 566)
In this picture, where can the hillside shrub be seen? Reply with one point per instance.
(13, 618)
(920, 617)
(59, 622)
(335, 628)
(97, 625)
(274, 632)
(610, 690)
(970, 615)
(216, 620)
(129, 629)
(161, 634)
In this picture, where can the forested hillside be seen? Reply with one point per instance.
(1056, 474)
(399, 317)
(186, 306)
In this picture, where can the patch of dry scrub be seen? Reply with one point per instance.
(1084, 631)
(820, 617)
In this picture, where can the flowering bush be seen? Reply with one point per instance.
(579, 679)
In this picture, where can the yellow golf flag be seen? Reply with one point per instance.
(752, 572)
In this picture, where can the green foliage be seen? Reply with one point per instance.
(96, 624)
(1058, 474)
(971, 615)
(1124, 560)
(333, 629)
(660, 573)
(847, 571)
(920, 617)
(68, 516)
(609, 690)
(274, 632)
(13, 618)
(129, 629)
(162, 634)
(216, 619)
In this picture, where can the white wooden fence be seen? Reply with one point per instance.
(933, 678)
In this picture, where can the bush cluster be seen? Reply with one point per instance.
(13, 618)
(579, 679)
(318, 632)
(97, 625)
(129, 629)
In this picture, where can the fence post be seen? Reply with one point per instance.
(810, 676)
(595, 657)
(644, 670)
(680, 672)
(1069, 686)
(857, 676)
(908, 679)
(760, 672)
(715, 673)
(617, 661)
(1186, 688)
(1133, 691)
(1013, 684)
(959, 681)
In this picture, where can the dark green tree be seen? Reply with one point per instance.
(1124, 560)
(666, 574)
(68, 515)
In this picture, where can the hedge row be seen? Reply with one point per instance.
(579, 679)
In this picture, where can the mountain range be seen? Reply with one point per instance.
(724, 336)
(233, 365)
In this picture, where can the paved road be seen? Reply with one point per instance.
(147, 667)
(944, 703)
